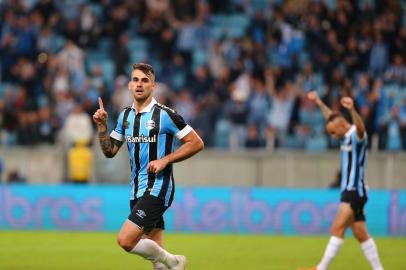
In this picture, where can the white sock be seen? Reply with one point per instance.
(371, 252)
(150, 250)
(331, 251)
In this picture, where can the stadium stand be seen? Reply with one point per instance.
(56, 54)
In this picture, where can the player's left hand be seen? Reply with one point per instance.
(347, 103)
(156, 166)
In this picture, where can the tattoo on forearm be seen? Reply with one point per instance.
(106, 144)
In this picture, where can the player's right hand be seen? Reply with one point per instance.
(313, 96)
(100, 116)
(347, 103)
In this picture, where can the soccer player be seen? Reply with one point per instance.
(353, 187)
(149, 129)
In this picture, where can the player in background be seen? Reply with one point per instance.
(353, 187)
(149, 129)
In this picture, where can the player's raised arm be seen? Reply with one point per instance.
(313, 96)
(348, 103)
(107, 144)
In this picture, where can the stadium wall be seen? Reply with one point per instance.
(207, 210)
(216, 168)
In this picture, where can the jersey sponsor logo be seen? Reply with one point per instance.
(126, 124)
(346, 148)
(141, 139)
(150, 124)
(141, 213)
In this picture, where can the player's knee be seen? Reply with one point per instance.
(360, 234)
(337, 231)
(126, 243)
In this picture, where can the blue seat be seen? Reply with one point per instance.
(2, 89)
(216, 31)
(222, 133)
(137, 43)
(237, 25)
(96, 10)
(316, 144)
(93, 56)
(292, 142)
(58, 43)
(303, 57)
(139, 56)
(393, 143)
(259, 5)
(5, 86)
(199, 57)
(105, 44)
(331, 4)
(391, 90)
(217, 20)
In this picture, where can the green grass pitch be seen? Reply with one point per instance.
(40, 250)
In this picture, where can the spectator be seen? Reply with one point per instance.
(379, 55)
(236, 111)
(80, 158)
(254, 140)
(280, 113)
(56, 53)
(15, 177)
(77, 127)
(396, 72)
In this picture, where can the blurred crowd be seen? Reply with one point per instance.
(237, 70)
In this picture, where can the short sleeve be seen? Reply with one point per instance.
(118, 132)
(175, 124)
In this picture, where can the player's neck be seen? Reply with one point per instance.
(139, 105)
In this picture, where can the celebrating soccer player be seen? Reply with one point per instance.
(148, 129)
(353, 187)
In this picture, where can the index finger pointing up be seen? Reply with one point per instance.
(101, 104)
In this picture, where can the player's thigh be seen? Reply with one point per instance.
(129, 235)
(360, 231)
(156, 235)
(343, 219)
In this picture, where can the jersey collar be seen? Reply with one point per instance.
(148, 108)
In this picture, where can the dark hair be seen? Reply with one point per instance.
(333, 116)
(145, 68)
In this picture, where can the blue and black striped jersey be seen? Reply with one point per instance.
(150, 135)
(353, 160)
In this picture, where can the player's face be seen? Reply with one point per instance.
(336, 128)
(141, 85)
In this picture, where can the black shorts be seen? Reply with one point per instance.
(356, 202)
(147, 212)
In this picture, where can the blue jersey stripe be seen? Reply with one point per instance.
(354, 161)
(129, 132)
(346, 156)
(361, 173)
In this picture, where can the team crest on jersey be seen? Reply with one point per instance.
(150, 124)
